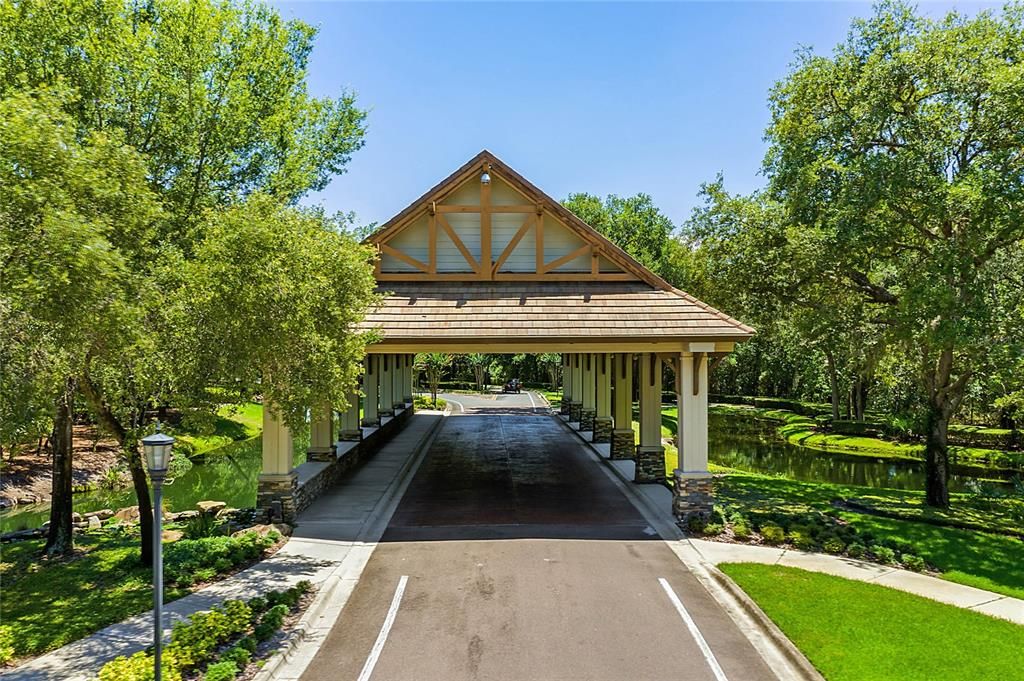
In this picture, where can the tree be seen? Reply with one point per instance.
(552, 363)
(213, 96)
(479, 363)
(634, 224)
(901, 155)
(433, 364)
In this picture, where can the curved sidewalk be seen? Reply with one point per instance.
(960, 595)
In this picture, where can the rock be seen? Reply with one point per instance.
(94, 523)
(185, 515)
(281, 528)
(227, 512)
(76, 517)
(210, 506)
(19, 535)
(102, 514)
(27, 500)
(128, 515)
(172, 535)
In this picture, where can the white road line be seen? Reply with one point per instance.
(533, 405)
(382, 637)
(716, 669)
(461, 408)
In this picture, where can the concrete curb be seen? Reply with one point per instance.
(793, 655)
(302, 641)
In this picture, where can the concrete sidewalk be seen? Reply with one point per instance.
(330, 546)
(962, 596)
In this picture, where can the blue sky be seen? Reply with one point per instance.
(602, 98)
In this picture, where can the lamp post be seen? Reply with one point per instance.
(157, 448)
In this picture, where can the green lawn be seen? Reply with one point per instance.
(987, 561)
(233, 423)
(46, 606)
(852, 631)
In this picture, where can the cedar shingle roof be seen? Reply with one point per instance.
(528, 311)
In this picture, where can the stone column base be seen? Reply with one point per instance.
(623, 444)
(397, 405)
(320, 454)
(602, 429)
(275, 495)
(351, 435)
(692, 495)
(563, 407)
(574, 411)
(650, 464)
(371, 423)
(587, 419)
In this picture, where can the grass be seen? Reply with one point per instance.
(233, 423)
(49, 604)
(981, 559)
(853, 631)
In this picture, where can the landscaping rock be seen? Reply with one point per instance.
(27, 500)
(102, 514)
(21, 534)
(128, 515)
(185, 515)
(226, 513)
(210, 506)
(95, 523)
(172, 535)
(76, 517)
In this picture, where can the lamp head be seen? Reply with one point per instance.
(157, 448)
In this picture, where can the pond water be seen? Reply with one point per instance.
(230, 473)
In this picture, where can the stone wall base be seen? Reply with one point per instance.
(370, 423)
(574, 411)
(351, 435)
(650, 464)
(587, 420)
(623, 444)
(603, 429)
(275, 494)
(691, 496)
(563, 407)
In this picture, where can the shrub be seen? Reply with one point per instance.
(712, 529)
(912, 562)
(203, 525)
(773, 534)
(248, 643)
(239, 655)
(884, 554)
(834, 545)
(138, 667)
(855, 550)
(225, 670)
(741, 530)
(695, 523)
(803, 541)
(190, 560)
(6, 645)
(258, 604)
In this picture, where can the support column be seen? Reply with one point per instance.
(650, 454)
(692, 491)
(407, 381)
(603, 379)
(566, 384)
(589, 403)
(350, 430)
(387, 385)
(321, 434)
(623, 438)
(277, 481)
(371, 413)
(577, 387)
(398, 383)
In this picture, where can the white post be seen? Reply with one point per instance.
(623, 438)
(692, 491)
(650, 454)
(397, 382)
(566, 384)
(577, 388)
(387, 385)
(589, 397)
(407, 380)
(350, 429)
(277, 480)
(371, 413)
(604, 368)
(321, 434)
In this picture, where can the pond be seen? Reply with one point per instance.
(229, 475)
(230, 472)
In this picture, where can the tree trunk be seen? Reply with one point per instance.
(60, 536)
(833, 383)
(130, 450)
(936, 459)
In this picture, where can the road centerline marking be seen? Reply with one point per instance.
(705, 649)
(385, 629)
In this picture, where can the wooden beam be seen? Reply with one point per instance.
(407, 259)
(506, 276)
(540, 242)
(486, 265)
(494, 208)
(432, 243)
(582, 250)
(458, 243)
(527, 223)
(698, 359)
(594, 267)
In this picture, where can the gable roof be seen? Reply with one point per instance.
(603, 245)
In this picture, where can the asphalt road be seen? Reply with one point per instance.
(513, 556)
